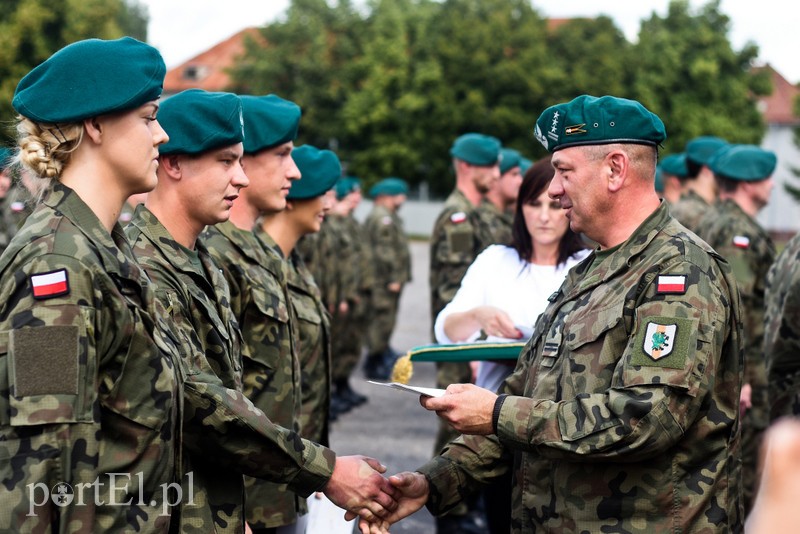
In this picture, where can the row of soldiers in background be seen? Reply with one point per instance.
(361, 270)
(16, 199)
(720, 189)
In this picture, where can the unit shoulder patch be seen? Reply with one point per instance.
(664, 342)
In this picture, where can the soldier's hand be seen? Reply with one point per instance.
(466, 407)
(412, 494)
(357, 486)
(394, 287)
(745, 399)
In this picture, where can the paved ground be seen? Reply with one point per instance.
(392, 426)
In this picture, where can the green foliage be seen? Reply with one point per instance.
(390, 85)
(32, 30)
(690, 76)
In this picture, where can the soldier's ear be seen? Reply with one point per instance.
(171, 165)
(617, 166)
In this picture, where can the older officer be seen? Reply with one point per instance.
(744, 178)
(199, 177)
(88, 401)
(622, 414)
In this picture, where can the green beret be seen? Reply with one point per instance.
(197, 121)
(89, 78)
(389, 186)
(524, 165)
(269, 121)
(509, 158)
(659, 180)
(319, 171)
(6, 155)
(476, 149)
(346, 185)
(589, 120)
(747, 163)
(675, 164)
(701, 149)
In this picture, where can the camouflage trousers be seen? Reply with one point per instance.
(348, 334)
(754, 424)
(383, 317)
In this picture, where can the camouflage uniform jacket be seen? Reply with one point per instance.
(456, 241)
(226, 435)
(747, 247)
(86, 390)
(623, 412)
(689, 210)
(5, 225)
(390, 253)
(314, 348)
(256, 275)
(495, 223)
(320, 254)
(782, 331)
(346, 247)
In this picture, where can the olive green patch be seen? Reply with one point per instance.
(460, 240)
(664, 342)
(45, 360)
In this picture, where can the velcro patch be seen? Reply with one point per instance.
(664, 342)
(49, 285)
(671, 284)
(45, 360)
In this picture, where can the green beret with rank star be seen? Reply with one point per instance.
(590, 120)
(700, 150)
(509, 158)
(269, 121)
(390, 187)
(477, 149)
(346, 185)
(319, 170)
(745, 163)
(197, 121)
(119, 75)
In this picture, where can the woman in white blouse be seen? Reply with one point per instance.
(506, 287)
(504, 291)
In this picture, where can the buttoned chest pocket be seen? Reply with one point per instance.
(267, 330)
(594, 341)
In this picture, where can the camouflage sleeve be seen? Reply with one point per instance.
(453, 249)
(64, 353)
(662, 374)
(222, 425)
(383, 237)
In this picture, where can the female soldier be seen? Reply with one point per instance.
(87, 399)
(308, 201)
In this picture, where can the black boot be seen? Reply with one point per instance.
(344, 390)
(375, 368)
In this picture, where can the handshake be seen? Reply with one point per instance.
(358, 484)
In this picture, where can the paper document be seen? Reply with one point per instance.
(428, 392)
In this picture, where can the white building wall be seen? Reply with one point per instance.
(782, 214)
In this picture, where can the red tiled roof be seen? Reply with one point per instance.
(208, 69)
(778, 108)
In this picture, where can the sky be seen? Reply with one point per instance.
(181, 29)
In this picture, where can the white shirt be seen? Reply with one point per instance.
(499, 278)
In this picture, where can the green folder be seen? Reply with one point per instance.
(466, 352)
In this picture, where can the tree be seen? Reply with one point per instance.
(688, 73)
(32, 30)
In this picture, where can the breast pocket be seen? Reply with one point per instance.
(594, 341)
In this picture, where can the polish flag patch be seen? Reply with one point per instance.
(458, 217)
(49, 285)
(741, 241)
(671, 284)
